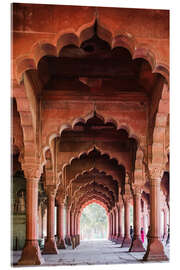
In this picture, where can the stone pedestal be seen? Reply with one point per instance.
(31, 254)
(61, 243)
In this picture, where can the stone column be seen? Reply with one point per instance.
(78, 222)
(50, 243)
(117, 222)
(137, 245)
(127, 238)
(120, 236)
(31, 254)
(155, 249)
(78, 226)
(114, 225)
(110, 229)
(165, 225)
(60, 224)
(68, 239)
(75, 224)
(71, 223)
(72, 229)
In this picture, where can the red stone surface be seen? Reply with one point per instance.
(90, 101)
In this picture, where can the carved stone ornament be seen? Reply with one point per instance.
(61, 196)
(32, 172)
(51, 190)
(137, 189)
(156, 172)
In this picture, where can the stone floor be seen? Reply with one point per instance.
(91, 253)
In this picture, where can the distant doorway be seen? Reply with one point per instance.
(94, 223)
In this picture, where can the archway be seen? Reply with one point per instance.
(94, 222)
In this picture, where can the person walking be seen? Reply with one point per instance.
(142, 234)
(131, 232)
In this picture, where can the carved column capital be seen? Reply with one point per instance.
(51, 190)
(156, 171)
(137, 189)
(32, 171)
(61, 195)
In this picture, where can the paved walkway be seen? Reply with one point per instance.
(92, 253)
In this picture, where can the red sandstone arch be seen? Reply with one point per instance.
(41, 49)
(91, 188)
(90, 183)
(84, 120)
(90, 197)
(91, 167)
(103, 180)
(89, 191)
(64, 127)
(93, 201)
(69, 37)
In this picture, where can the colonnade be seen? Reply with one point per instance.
(155, 250)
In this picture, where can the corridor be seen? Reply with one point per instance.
(91, 253)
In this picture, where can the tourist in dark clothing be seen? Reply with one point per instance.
(131, 231)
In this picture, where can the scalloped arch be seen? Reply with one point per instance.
(90, 150)
(83, 206)
(70, 37)
(70, 126)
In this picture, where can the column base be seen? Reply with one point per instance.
(155, 251)
(77, 239)
(136, 245)
(126, 242)
(61, 244)
(31, 254)
(110, 237)
(113, 238)
(50, 247)
(116, 238)
(119, 240)
(68, 240)
(73, 241)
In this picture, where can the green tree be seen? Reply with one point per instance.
(94, 222)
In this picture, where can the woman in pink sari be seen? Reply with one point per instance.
(142, 235)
